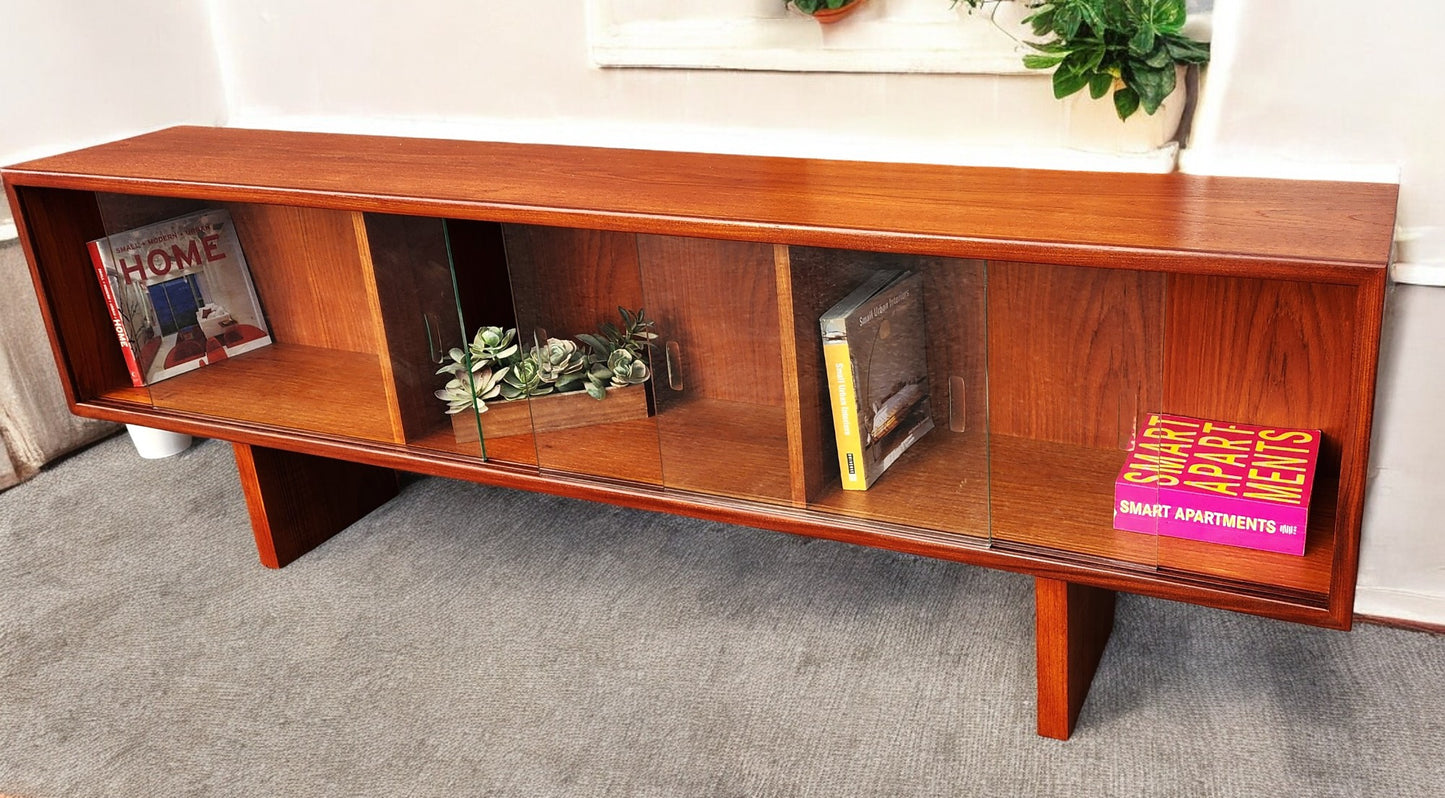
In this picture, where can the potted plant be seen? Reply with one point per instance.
(825, 11)
(1134, 49)
(494, 370)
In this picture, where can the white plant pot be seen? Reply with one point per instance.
(153, 444)
(1095, 126)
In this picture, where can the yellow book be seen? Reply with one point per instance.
(874, 349)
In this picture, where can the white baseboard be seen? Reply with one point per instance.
(1400, 605)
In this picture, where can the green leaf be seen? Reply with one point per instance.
(1042, 21)
(1042, 61)
(1142, 42)
(1160, 57)
(1092, 12)
(1167, 16)
(1152, 84)
(1126, 102)
(1084, 61)
(1187, 51)
(1055, 46)
(1067, 21)
(1068, 81)
(1099, 84)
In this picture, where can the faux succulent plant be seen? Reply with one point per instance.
(470, 390)
(626, 369)
(494, 344)
(494, 366)
(524, 379)
(564, 365)
(619, 353)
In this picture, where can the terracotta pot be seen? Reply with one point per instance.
(828, 16)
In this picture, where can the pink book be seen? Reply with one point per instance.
(1218, 481)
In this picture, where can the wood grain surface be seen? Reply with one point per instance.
(1107, 220)
(1063, 307)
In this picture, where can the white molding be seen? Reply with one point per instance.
(8, 230)
(1400, 605)
(897, 36)
(1198, 162)
(1418, 273)
(824, 145)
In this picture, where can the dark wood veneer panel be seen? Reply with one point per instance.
(717, 301)
(570, 281)
(940, 483)
(418, 310)
(303, 388)
(1073, 624)
(55, 225)
(725, 448)
(298, 501)
(1265, 352)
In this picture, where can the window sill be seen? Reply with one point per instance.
(877, 38)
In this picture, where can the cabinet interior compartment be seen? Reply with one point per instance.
(940, 482)
(1267, 352)
(1075, 357)
(722, 418)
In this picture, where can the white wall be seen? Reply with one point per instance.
(507, 69)
(1298, 87)
(1316, 85)
(1310, 86)
(78, 73)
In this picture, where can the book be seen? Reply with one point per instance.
(1217, 481)
(180, 295)
(874, 350)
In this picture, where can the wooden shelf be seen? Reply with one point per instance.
(725, 448)
(1059, 498)
(940, 483)
(326, 391)
(1059, 309)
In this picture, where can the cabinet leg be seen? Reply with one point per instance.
(297, 501)
(1073, 626)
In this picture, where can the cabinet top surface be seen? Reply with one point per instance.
(980, 212)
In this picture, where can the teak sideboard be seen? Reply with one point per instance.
(1061, 309)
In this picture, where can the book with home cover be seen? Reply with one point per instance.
(180, 295)
(1218, 481)
(874, 350)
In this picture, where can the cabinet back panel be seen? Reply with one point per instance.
(1264, 352)
(570, 281)
(1074, 354)
(311, 274)
(717, 300)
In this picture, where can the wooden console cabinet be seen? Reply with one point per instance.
(1061, 308)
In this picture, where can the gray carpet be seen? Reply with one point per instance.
(468, 641)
